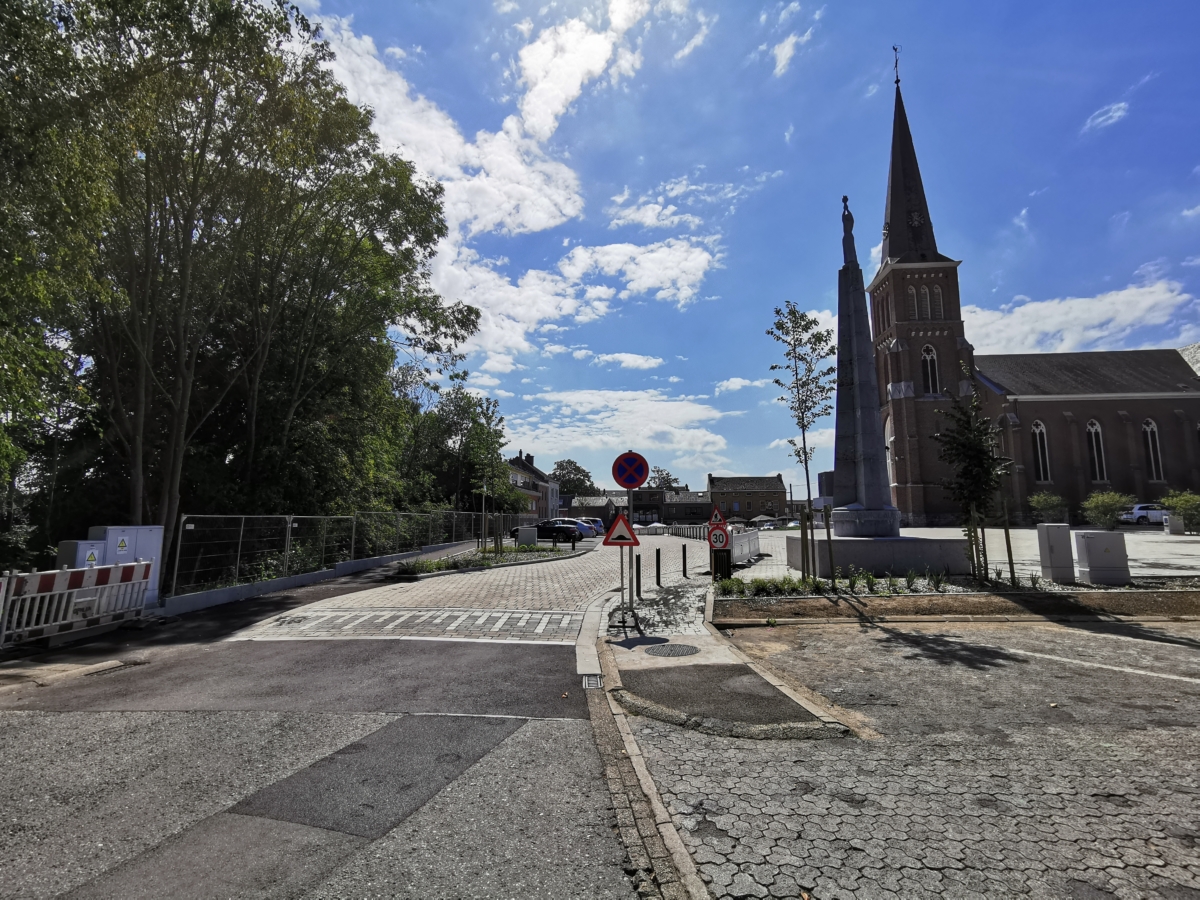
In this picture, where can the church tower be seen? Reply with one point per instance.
(920, 348)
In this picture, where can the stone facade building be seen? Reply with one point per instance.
(1073, 423)
(540, 491)
(744, 497)
(687, 508)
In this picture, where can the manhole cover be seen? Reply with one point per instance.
(672, 650)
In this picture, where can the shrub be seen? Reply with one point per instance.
(1047, 506)
(1103, 508)
(910, 580)
(1186, 505)
(763, 587)
(871, 581)
(731, 587)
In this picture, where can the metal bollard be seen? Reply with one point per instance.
(658, 566)
(638, 571)
(685, 561)
(572, 543)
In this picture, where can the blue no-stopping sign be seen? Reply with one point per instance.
(631, 470)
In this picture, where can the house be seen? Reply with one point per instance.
(601, 508)
(687, 507)
(747, 496)
(541, 492)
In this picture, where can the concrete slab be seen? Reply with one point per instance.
(223, 856)
(713, 651)
(370, 786)
(884, 555)
(734, 693)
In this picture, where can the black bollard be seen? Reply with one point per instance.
(658, 566)
(638, 574)
(572, 543)
(685, 560)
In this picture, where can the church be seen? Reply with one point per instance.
(1072, 423)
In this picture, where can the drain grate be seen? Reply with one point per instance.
(672, 650)
(593, 682)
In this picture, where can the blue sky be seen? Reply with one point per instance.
(633, 185)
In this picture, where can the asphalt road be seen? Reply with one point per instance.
(205, 769)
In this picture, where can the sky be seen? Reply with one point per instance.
(633, 186)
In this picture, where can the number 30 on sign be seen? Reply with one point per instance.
(718, 538)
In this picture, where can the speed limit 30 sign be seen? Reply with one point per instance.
(718, 538)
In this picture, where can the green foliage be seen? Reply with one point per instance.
(573, 479)
(1045, 501)
(1186, 505)
(807, 384)
(731, 587)
(662, 479)
(910, 580)
(893, 585)
(1103, 508)
(968, 445)
(871, 581)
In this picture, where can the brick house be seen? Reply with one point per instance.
(747, 496)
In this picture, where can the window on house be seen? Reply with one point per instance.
(770, 504)
(749, 506)
(1095, 442)
(1041, 453)
(929, 373)
(722, 506)
(1153, 456)
(939, 308)
(924, 301)
(737, 506)
(912, 302)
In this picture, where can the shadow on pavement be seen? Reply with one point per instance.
(945, 650)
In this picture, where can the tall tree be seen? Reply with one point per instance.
(573, 479)
(662, 479)
(808, 384)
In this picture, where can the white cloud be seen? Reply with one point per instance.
(872, 90)
(877, 256)
(788, 11)
(659, 209)
(618, 420)
(674, 379)
(787, 135)
(1191, 261)
(820, 437)
(1192, 213)
(673, 269)
(628, 360)
(1107, 115)
(582, 354)
(1153, 270)
(1021, 220)
(1103, 322)
(506, 6)
(500, 393)
(786, 49)
(651, 215)
(736, 384)
(484, 380)
(525, 26)
(553, 349)
(706, 24)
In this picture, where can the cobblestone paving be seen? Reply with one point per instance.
(500, 604)
(996, 773)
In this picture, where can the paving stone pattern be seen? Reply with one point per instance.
(510, 603)
(977, 786)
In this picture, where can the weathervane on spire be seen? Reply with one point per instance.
(896, 48)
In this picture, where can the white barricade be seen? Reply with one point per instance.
(695, 532)
(744, 546)
(45, 604)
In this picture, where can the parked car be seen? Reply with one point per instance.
(555, 529)
(1145, 514)
(598, 524)
(586, 528)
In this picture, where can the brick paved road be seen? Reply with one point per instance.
(1003, 767)
(501, 604)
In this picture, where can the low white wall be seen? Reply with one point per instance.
(883, 556)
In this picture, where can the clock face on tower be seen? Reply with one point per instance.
(915, 219)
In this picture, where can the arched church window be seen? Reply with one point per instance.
(912, 302)
(924, 301)
(939, 308)
(1095, 442)
(1153, 456)
(929, 372)
(1041, 453)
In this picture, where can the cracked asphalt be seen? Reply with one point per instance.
(996, 761)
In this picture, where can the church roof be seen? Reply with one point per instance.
(745, 483)
(908, 230)
(1099, 372)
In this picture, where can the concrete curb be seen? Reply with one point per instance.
(1016, 620)
(782, 731)
(524, 562)
(587, 660)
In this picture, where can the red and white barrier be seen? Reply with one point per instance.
(43, 604)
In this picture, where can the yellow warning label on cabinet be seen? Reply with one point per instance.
(121, 545)
(91, 557)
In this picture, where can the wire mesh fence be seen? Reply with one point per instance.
(222, 551)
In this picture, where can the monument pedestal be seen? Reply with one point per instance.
(851, 522)
(882, 556)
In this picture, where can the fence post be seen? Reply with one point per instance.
(658, 566)
(178, 553)
(431, 529)
(324, 530)
(287, 545)
(638, 562)
(237, 561)
(685, 560)
(353, 532)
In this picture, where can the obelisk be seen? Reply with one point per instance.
(861, 497)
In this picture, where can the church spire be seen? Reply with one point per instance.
(907, 229)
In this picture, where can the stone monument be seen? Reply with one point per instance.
(862, 499)
(865, 524)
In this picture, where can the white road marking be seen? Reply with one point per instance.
(453, 625)
(500, 624)
(541, 625)
(314, 621)
(1095, 665)
(523, 620)
(487, 615)
(397, 622)
(358, 621)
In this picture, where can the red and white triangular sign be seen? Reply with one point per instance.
(621, 535)
(716, 518)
